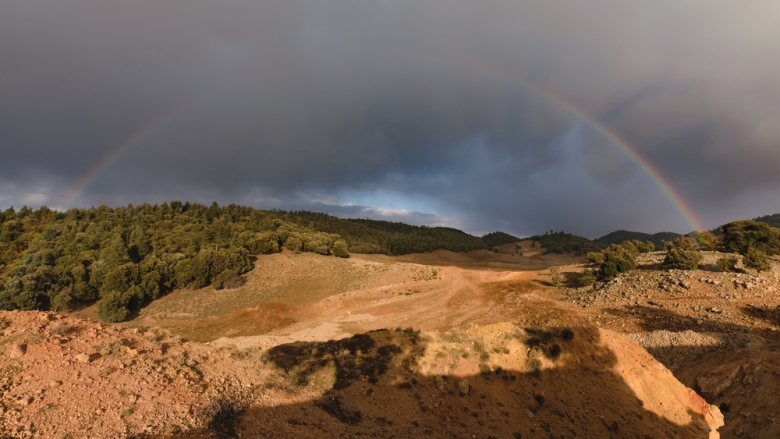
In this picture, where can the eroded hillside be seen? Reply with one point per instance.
(65, 377)
(313, 346)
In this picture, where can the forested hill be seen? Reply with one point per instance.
(499, 238)
(772, 220)
(127, 256)
(374, 236)
(560, 242)
(621, 236)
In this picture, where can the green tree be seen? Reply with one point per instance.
(757, 260)
(113, 307)
(340, 249)
(617, 259)
(741, 236)
(192, 273)
(684, 254)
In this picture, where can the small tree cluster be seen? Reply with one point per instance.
(617, 259)
(613, 260)
(684, 253)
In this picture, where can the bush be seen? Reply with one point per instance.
(646, 247)
(595, 257)
(555, 276)
(741, 236)
(684, 254)
(587, 278)
(617, 259)
(708, 240)
(340, 249)
(685, 259)
(113, 307)
(757, 260)
(293, 244)
(727, 264)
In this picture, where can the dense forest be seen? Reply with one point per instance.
(128, 256)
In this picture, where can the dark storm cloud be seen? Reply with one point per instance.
(401, 110)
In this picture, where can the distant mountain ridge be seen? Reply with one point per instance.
(619, 236)
(772, 220)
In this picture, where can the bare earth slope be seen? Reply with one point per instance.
(65, 377)
(306, 349)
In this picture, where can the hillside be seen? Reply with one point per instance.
(772, 220)
(129, 256)
(623, 235)
(496, 239)
(500, 379)
(560, 243)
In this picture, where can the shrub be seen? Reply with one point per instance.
(595, 257)
(684, 254)
(113, 307)
(646, 247)
(555, 276)
(727, 264)
(617, 259)
(708, 240)
(293, 244)
(340, 249)
(741, 236)
(757, 260)
(587, 278)
(685, 259)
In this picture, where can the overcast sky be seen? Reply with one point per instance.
(477, 115)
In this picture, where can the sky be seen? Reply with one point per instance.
(519, 116)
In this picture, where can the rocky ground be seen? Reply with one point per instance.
(64, 377)
(493, 354)
(718, 332)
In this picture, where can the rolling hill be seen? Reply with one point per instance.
(623, 235)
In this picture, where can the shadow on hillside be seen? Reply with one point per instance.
(376, 392)
(768, 315)
(727, 335)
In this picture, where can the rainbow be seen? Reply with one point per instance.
(99, 168)
(114, 155)
(666, 188)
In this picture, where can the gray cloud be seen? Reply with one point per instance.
(399, 110)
